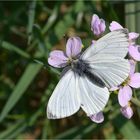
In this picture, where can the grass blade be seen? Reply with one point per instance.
(10, 47)
(10, 130)
(27, 77)
(31, 20)
(126, 127)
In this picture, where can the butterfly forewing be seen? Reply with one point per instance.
(106, 58)
(112, 73)
(114, 43)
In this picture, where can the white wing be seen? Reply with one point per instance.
(93, 98)
(114, 43)
(106, 58)
(111, 70)
(64, 100)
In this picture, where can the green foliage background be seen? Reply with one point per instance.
(29, 30)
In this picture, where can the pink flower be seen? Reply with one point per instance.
(135, 80)
(97, 25)
(132, 37)
(132, 66)
(124, 95)
(125, 92)
(127, 111)
(98, 118)
(115, 26)
(60, 59)
(134, 50)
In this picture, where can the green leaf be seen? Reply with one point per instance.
(50, 20)
(44, 130)
(10, 130)
(68, 133)
(10, 47)
(20, 129)
(64, 24)
(31, 20)
(109, 131)
(26, 79)
(135, 101)
(126, 127)
(79, 6)
(79, 131)
(130, 131)
(39, 37)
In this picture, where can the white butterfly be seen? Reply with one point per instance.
(86, 83)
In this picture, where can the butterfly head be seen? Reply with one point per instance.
(79, 66)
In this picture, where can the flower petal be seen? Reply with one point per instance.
(98, 118)
(102, 25)
(115, 26)
(133, 35)
(57, 59)
(134, 51)
(97, 25)
(127, 112)
(94, 24)
(124, 95)
(132, 66)
(135, 80)
(73, 47)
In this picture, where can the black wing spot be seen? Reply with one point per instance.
(94, 79)
(83, 69)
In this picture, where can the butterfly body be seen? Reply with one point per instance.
(81, 68)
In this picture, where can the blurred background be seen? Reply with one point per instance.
(29, 30)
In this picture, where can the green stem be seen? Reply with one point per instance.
(135, 101)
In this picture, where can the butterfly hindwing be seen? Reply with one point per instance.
(93, 97)
(64, 100)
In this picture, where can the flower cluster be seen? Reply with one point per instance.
(133, 81)
(74, 45)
